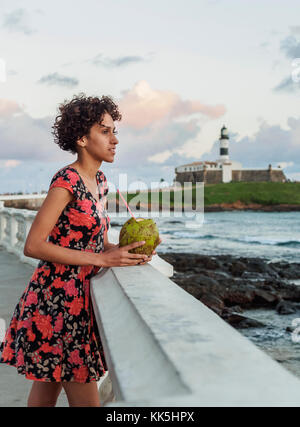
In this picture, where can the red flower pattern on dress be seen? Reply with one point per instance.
(46, 348)
(8, 353)
(76, 218)
(86, 205)
(70, 288)
(43, 323)
(75, 306)
(57, 373)
(80, 374)
(59, 268)
(53, 325)
(74, 358)
(31, 335)
(65, 241)
(20, 358)
(31, 298)
(59, 323)
(55, 232)
(75, 235)
(58, 283)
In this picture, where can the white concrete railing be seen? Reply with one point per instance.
(163, 347)
(22, 196)
(15, 225)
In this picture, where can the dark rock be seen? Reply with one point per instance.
(251, 275)
(202, 280)
(208, 263)
(287, 270)
(244, 282)
(237, 309)
(237, 268)
(265, 296)
(285, 307)
(239, 321)
(213, 302)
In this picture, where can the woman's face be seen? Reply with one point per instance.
(102, 141)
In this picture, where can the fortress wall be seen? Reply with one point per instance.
(278, 176)
(258, 175)
(245, 175)
(189, 177)
(209, 177)
(213, 177)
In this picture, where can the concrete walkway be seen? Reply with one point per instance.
(14, 277)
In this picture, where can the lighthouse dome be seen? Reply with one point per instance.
(224, 133)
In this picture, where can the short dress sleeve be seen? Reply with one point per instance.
(104, 191)
(68, 179)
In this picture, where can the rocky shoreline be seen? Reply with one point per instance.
(35, 204)
(217, 207)
(238, 205)
(228, 284)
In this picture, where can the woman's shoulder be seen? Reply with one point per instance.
(67, 172)
(66, 177)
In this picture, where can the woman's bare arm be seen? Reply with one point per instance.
(36, 245)
(107, 245)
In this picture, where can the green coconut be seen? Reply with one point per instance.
(137, 230)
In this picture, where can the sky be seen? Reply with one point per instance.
(178, 70)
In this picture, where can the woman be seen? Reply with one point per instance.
(53, 338)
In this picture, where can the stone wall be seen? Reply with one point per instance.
(244, 175)
(209, 177)
(258, 175)
(32, 204)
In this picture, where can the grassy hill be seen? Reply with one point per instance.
(264, 193)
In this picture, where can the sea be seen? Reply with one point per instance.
(273, 236)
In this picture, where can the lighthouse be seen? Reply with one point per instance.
(224, 142)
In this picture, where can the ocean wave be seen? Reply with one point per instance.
(245, 240)
(271, 242)
(192, 235)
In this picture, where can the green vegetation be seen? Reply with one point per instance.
(264, 193)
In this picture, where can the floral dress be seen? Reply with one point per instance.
(53, 334)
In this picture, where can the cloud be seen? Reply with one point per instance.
(121, 61)
(56, 79)
(107, 62)
(160, 157)
(16, 21)
(287, 85)
(24, 138)
(270, 144)
(291, 47)
(153, 144)
(151, 138)
(8, 107)
(143, 106)
(12, 163)
(286, 164)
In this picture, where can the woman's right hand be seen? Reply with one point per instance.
(120, 257)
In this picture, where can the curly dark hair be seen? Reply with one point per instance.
(78, 116)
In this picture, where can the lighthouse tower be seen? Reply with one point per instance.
(224, 142)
